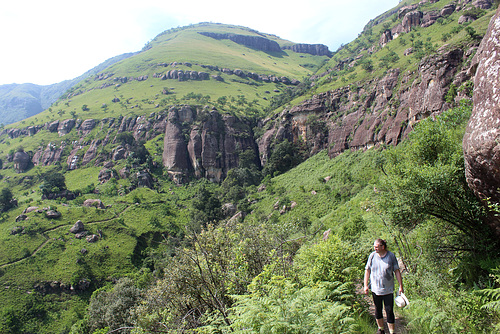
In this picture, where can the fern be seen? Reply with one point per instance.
(287, 309)
(494, 296)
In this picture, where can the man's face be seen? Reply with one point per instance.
(378, 247)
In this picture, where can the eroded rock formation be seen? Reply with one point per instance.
(208, 147)
(482, 138)
(256, 42)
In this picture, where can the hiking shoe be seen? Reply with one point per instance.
(380, 331)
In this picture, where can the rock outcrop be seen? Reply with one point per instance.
(77, 227)
(96, 203)
(255, 42)
(21, 161)
(313, 49)
(208, 147)
(47, 157)
(482, 137)
(373, 114)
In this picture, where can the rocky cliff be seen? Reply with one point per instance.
(256, 42)
(204, 143)
(267, 45)
(198, 142)
(381, 111)
(481, 140)
(313, 49)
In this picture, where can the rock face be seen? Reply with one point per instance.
(482, 136)
(205, 148)
(21, 161)
(313, 49)
(256, 42)
(373, 114)
(48, 156)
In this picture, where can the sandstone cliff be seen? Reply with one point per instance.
(204, 143)
(379, 112)
(481, 140)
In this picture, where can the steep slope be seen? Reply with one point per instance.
(409, 63)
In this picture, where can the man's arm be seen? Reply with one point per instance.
(400, 280)
(367, 278)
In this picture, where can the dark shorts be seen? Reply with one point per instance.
(388, 303)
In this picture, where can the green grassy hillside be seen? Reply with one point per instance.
(190, 50)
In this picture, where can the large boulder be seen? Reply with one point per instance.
(21, 161)
(94, 203)
(482, 4)
(52, 214)
(481, 142)
(411, 19)
(65, 126)
(77, 227)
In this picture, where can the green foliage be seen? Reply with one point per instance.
(352, 230)
(451, 94)
(492, 300)
(206, 206)
(53, 183)
(125, 138)
(435, 308)
(199, 280)
(367, 65)
(6, 198)
(329, 261)
(426, 176)
(280, 306)
(472, 33)
(474, 12)
(284, 156)
(389, 59)
(112, 308)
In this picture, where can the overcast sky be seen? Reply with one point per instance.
(48, 41)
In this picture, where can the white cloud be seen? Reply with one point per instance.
(53, 40)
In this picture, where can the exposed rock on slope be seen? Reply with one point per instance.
(373, 114)
(481, 140)
(204, 143)
(313, 49)
(256, 42)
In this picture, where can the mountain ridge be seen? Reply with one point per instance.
(21, 101)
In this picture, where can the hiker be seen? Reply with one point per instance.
(379, 271)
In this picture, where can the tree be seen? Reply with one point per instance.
(206, 207)
(112, 308)
(6, 200)
(389, 59)
(284, 156)
(367, 65)
(53, 183)
(426, 180)
(199, 280)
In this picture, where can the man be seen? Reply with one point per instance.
(380, 269)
